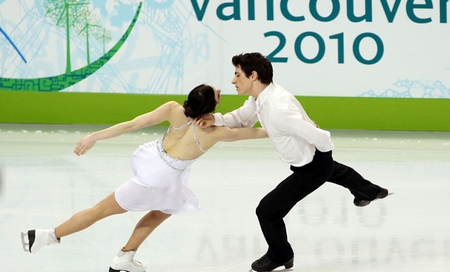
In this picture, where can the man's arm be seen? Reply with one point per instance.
(294, 123)
(226, 134)
(244, 116)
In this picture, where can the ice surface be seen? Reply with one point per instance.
(42, 183)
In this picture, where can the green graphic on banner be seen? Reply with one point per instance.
(63, 81)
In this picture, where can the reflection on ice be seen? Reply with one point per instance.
(43, 183)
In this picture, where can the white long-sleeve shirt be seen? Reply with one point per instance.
(292, 132)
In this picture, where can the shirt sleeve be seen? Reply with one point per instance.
(244, 116)
(294, 123)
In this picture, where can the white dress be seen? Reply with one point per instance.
(160, 181)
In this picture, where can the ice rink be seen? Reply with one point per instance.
(42, 183)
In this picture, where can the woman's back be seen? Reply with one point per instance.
(188, 142)
(183, 139)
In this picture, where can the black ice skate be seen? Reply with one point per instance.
(361, 203)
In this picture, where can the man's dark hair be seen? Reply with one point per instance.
(250, 62)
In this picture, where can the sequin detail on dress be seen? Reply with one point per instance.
(172, 162)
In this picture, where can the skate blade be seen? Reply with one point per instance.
(383, 197)
(25, 241)
(282, 270)
(114, 270)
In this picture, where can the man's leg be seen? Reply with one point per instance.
(271, 211)
(275, 205)
(361, 188)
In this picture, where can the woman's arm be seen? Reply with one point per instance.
(145, 120)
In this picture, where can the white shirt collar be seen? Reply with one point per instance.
(263, 97)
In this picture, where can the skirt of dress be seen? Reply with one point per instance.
(156, 185)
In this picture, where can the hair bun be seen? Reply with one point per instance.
(200, 100)
(188, 111)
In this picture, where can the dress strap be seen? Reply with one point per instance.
(196, 139)
(184, 125)
(193, 132)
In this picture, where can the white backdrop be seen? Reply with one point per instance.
(387, 48)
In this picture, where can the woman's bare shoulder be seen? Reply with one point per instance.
(175, 108)
(174, 104)
(213, 132)
(177, 113)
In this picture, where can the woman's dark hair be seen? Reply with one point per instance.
(250, 62)
(200, 100)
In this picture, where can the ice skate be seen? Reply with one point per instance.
(125, 262)
(361, 203)
(34, 240)
(264, 264)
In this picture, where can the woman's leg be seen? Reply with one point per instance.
(144, 228)
(124, 261)
(86, 218)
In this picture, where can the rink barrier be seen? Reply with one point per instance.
(361, 113)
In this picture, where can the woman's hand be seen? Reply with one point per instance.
(84, 145)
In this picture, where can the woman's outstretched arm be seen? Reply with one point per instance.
(145, 120)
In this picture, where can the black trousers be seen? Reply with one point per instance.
(303, 181)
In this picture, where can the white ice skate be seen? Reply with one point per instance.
(34, 240)
(125, 262)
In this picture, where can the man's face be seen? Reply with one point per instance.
(242, 83)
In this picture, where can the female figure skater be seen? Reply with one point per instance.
(161, 170)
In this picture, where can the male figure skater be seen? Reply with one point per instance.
(298, 141)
